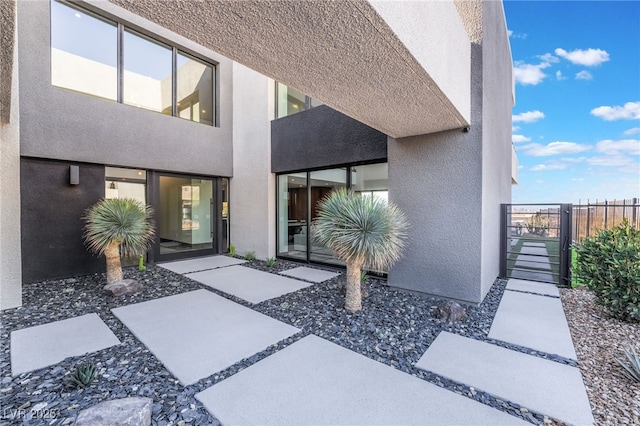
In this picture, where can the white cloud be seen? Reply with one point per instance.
(584, 75)
(612, 161)
(574, 159)
(530, 73)
(631, 131)
(577, 179)
(516, 128)
(528, 117)
(519, 138)
(629, 111)
(554, 148)
(549, 58)
(559, 76)
(589, 57)
(609, 147)
(516, 35)
(547, 167)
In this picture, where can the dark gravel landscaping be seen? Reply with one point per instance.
(394, 327)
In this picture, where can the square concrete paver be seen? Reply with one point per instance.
(532, 275)
(533, 321)
(538, 384)
(534, 244)
(48, 344)
(200, 264)
(310, 274)
(533, 287)
(316, 382)
(198, 333)
(248, 284)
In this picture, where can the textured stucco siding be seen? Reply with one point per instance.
(61, 124)
(496, 135)
(252, 189)
(7, 47)
(323, 137)
(10, 252)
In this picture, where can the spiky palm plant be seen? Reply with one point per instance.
(118, 225)
(361, 230)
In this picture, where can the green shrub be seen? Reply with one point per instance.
(363, 276)
(232, 250)
(271, 262)
(250, 256)
(609, 265)
(83, 375)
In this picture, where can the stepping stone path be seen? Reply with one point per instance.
(310, 274)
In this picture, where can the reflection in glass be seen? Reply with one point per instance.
(292, 215)
(322, 183)
(84, 53)
(195, 90)
(224, 182)
(147, 73)
(371, 179)
(184, 217)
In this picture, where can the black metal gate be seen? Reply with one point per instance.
(536, 242)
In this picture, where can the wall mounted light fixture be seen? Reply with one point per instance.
(74, 175)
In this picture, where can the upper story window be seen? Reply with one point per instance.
(95, 56)
(290, 101)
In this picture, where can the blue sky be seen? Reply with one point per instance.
(576, 121)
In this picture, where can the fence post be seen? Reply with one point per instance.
(566, 213)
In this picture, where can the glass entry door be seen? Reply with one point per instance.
(185, 215)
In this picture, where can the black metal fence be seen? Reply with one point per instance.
(589, 218)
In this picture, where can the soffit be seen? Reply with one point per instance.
(341, 52)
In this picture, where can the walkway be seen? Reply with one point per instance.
(313, 381)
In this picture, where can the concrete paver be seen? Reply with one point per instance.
(310, 274)
(533, 321)
(48, 344)
(545, 386)
(248, 284)
(200, 264)
(533, 287)
(198, 333)
(316, 382)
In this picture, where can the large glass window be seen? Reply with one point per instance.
(290, 101)
(194, 90)
(147, 74)
(299, 195)
(292, 215)
(84, 53)
(322, 183)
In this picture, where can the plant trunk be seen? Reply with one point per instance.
(353, 297)
(114, 268)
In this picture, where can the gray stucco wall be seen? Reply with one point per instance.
(496, 136)
(10, 253)
(61, 124)
(451, 184)
(323, 137)
(252, 188)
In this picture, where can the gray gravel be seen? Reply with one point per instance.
(394, 328)
(615, 400)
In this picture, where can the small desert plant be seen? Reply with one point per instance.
(117, 226)
(363, 276)
(141, 266)
(250, 256)
(361, 230)
(83, 375)
(632, 368)
(609, 265)
(232, 250)
(271, 262)
(537, 225)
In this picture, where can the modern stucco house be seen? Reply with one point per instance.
(191, 107)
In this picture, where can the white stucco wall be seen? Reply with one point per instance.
(252, 188)
(10, 253)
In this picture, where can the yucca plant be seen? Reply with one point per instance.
(115, 226)
(361, 230)
(632, 368)
(83, 375)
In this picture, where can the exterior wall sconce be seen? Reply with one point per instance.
(74, 175)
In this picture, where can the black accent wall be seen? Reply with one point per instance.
(51, 219)
(323, 137)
